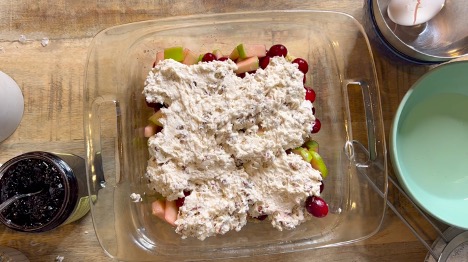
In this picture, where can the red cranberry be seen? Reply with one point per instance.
(316, 206)
(310, 94)
(264, 61)
(262, 217)
(277, 50)
(223, 58)
(208, 57)
(241, 75)
(321, 186)
(304, 79)
(302, 65)
(317, 126)
(181, 200)
(154, 105)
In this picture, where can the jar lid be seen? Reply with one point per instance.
(452, 246)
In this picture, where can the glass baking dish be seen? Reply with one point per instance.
(348, 105)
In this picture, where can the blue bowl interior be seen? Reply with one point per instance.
(429, 143)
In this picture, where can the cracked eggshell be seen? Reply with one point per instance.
(413, 12)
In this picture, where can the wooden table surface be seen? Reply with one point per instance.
(51, 78)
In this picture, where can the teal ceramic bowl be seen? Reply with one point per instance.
(429, 143)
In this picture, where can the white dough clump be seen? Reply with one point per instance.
(136, 197)
(224, 140)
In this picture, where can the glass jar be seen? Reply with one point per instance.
(63, 197)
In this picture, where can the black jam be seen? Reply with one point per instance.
(61, 180)
(31, 175)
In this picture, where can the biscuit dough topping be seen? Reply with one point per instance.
(226, 141)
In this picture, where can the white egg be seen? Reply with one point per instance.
(11, 106)
(413, 12)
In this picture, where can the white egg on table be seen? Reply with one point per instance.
(11, 106)
(413, 12)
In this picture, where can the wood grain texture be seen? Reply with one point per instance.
(68, 18)
(51, 79)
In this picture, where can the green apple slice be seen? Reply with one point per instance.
(159, 57)
(200, 57)
(303, 152)
(247, 65)
(318, 163)
(190, 58)
(158, 208)
(176, 53)
(155, 118)
(171, 212)
(312, 145)
(246, 50)
(217, 53)
(234, 54)
(150, 130)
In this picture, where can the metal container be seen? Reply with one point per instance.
(441, 39)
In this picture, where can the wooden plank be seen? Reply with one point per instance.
(76, 19)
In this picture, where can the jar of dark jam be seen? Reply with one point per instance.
(63, 197)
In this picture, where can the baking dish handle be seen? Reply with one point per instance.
(374, 159)
(103, 149)
(374, 128)
(99, 176)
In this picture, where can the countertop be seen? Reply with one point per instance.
(51, 78)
